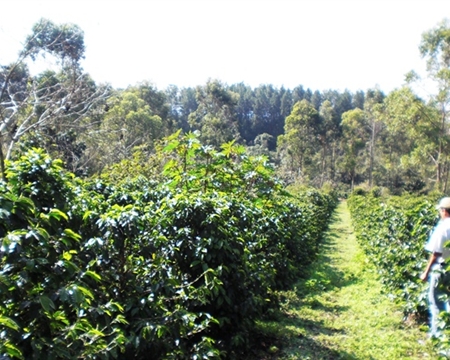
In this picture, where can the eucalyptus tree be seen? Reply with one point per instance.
(267, 111)
(317, 99)
(52, 101)
(435, 48)
(341, 102)
(215, 116)
(181, 103)
(414, 141)
(130, 123)
(299, 93)
(298, 144)
(157, 101)
(358, 100)
(373, 111)
(354, 139)
(244, 111)
(327, 136)
(361, 136)
(286, 102)
(263, 145)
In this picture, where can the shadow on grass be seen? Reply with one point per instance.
(301, 335)
(293, 336)
(323, 275)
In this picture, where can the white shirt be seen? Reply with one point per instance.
(438, 238)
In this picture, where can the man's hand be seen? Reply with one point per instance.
(424, 276)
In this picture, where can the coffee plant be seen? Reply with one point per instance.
(179, 266)
(393, 232)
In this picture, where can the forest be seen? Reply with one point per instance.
(170, 220)
(397, 141)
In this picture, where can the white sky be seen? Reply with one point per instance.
(320, 44)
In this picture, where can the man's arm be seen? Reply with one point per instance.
(431, 261)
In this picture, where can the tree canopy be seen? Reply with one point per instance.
(396, 140)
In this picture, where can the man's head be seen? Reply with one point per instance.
(444, 207)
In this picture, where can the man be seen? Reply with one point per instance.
(433, 271)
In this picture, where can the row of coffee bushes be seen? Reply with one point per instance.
(393, 231)
(180, 267)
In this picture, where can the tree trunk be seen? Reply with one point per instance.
(322, 175)
(445, 176)
(2, 160)
(371, 156)
(333, 161)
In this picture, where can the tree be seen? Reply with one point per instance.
(299, 141)
(33, 104)
(413, 142)
(267, 116)
(354, 138)
(435, 48)
(181, 103)
(299, 93)
(327, 135)
(286, 102)
(316, 99)
(358, 100)
(215, 116)
(129, 123)
(244, 111)
(372, 111)
(158, 103)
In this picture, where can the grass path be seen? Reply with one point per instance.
(340, 311)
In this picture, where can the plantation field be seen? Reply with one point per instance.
(340, 310)
(179, 264)
(207, 256)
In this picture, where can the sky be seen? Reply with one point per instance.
(319, 44)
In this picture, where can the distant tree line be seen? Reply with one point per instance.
(397, 140)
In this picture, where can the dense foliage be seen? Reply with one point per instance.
(393, 232)
(179, 268)
(174, 234)
(397, 140)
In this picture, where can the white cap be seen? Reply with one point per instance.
(444, 203)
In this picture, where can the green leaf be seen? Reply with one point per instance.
(85, 292)
(77, 295)
(5, 321)
(11, 350)
(87, 214)
(161, 331)
(169, 167)
(115, 306)
(72, 235)
(61, 316)
(57, 214)
(71, 266)
(47, 303)
(93, 275)
(38, 234)
(171, 146)
(95, 333)
(120, 319)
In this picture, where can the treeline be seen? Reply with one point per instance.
(397, 140)
(258, 118)
(258, 113)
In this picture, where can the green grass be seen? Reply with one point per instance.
(340, 312)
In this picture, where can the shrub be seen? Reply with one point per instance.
(179, 268)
